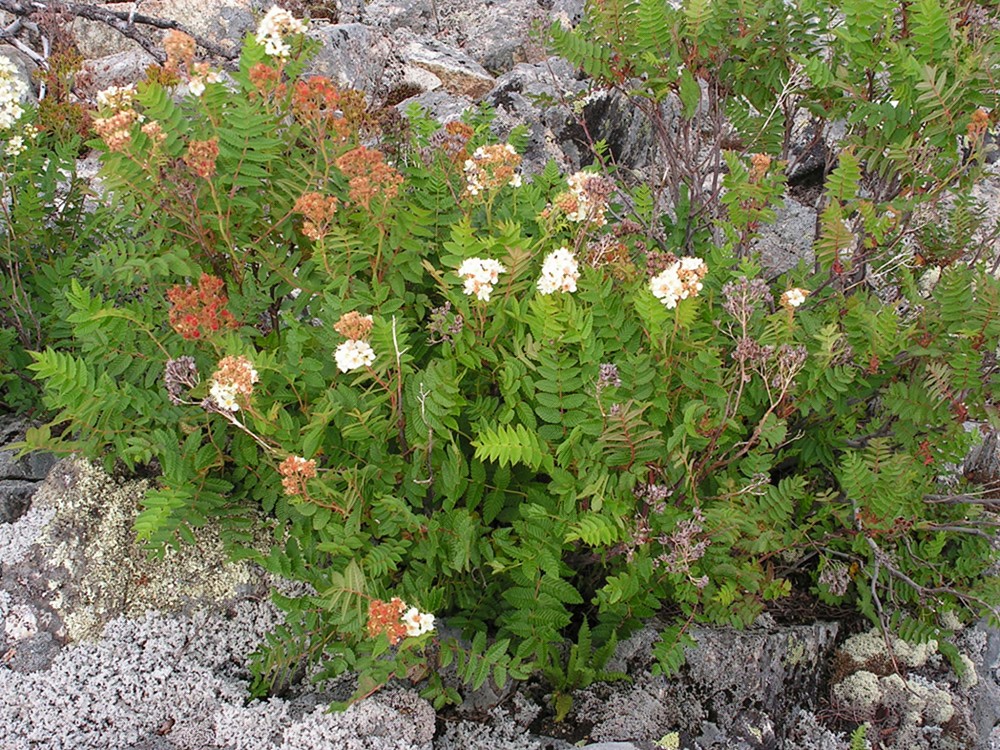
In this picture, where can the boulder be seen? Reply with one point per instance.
(458, 73)
(224, 22)
(357, 56)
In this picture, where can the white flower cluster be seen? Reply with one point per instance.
(354, 354)
(15, 146)
(197, 83)
(12, 91)
(590, 206)
(116, 97)
(794, 297)
(273, 26)
(417, 622)
(559, 272)
(490, 167)
(480, 275)
(224, 393)
(680, 280)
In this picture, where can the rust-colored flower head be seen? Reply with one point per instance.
(759, 164)
(201, 156)
(295, 471)
(197, 311)
(319, 211)
(354, 326)
(180, 49)
(369, 177)
(387, 617)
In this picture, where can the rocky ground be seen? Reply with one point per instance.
(103, 648)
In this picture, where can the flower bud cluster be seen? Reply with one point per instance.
(180, 49)
(16, 144)
(295, 470)
(492, 167)
(196, 311)
(319, 211)
(479, 275)
(179, 376)
(679, 280)
(277, 23)
(201, 156)
(560, 272)
(232, 381)
(356, 352)
(116, 129)
(587, 199)
(12, 92)
(116, 97)
(397, 620)
(204, 75)
(369, 177)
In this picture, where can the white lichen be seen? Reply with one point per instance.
(859, 692)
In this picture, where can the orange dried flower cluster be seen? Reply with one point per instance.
(386, 617)
(354, 325)
(267, 81)
(492, 167)
(453, 140)
(759, 164)
(369, 176)
(319, 210)
(196, 311)
(180, 50)
(318, 102)
(201, 156)
(978, 124)
(295, 470)
(232, 383)
(154, 131)
(116, 129)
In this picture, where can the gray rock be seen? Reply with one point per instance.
(119, 69)
(32, 466)
(788, 241)
(15, 498)
(540, 96)
(416, 15)
(224, 22)
(459, 74)
(982, 643)
(439, 105)
(358, 56)
(738, 687)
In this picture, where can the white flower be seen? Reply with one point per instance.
(15, 146)
(680, 280)
(559, 272)
(515, 181)
(354, 354)
(273, 26)
(196, 86)
(417, 623)
(224, 395)
(116, 97)
(480, 274)
(13, 90)
(793, 298)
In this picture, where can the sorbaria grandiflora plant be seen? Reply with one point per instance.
(455, 393)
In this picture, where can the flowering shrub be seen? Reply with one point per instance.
(548, 413)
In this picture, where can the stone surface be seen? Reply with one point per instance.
(15, 498)
(788, 241)
(737, 686)
(88, 566)
(358, 56)
(119, 69)
(459, 74)
(225, 22)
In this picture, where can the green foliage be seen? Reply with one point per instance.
(435, 389)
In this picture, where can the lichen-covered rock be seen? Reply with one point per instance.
(224, 22)
(787, 241)
(458, 73)
(87, 566)
(357, 56)
(737, 687)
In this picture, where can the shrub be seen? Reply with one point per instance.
(442, 387)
